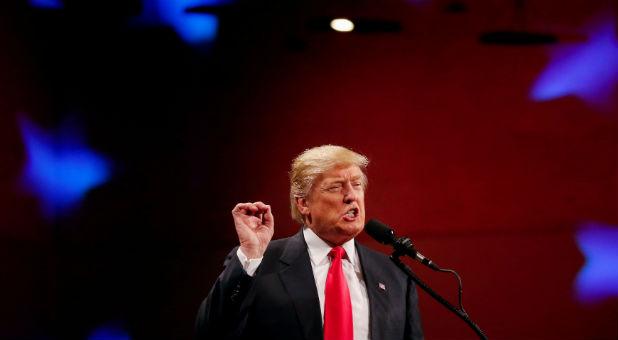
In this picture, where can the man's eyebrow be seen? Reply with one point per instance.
(342, 179)
(335, 180)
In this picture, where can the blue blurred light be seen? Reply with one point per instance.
(55, 4)
(598, 279)
(193, 28)
(59, 168)
(109, 332)
(588, 70)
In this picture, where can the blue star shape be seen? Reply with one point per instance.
(59, 168)
(192, 28)
(588, 70)
(598, 278)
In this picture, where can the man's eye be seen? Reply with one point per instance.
(335, 187)
(357, 184)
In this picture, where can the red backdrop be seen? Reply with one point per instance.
(484, 180)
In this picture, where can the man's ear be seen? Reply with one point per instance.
(301, 204)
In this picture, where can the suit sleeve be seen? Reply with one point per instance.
(221, 315)
(414, 328)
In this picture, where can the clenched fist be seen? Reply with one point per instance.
(255, 226)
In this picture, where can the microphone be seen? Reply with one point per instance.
(385, 235)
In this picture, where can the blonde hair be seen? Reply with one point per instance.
(310, 164)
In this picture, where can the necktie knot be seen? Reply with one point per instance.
(337, 253)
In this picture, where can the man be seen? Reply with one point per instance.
(320, 283)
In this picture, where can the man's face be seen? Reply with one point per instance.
(335, 208)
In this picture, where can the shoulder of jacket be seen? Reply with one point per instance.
(276, 247)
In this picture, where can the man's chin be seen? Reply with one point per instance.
(357, 226)
(341, 232)
(350, 230)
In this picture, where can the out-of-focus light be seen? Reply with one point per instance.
(342, 25)
(193, 28)
(59, 168)
(588, 70)
(598, 278)
(47, 4)
(109, 332)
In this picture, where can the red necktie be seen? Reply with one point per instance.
(337, 305)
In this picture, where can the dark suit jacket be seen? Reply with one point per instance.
(281, 300)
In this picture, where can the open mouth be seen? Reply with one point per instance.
(351, 214)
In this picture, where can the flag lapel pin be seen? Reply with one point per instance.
(381, 286)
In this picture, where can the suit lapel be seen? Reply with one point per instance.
(378, 298)
(299, 283)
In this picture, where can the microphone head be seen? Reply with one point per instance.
(380, 232)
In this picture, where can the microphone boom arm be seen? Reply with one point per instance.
(460, 313)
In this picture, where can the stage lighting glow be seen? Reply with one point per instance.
(59, 169)
(193, 28)
(342, 25)
(588, 70)
(109, 332)
(47, 4)
(598, 278)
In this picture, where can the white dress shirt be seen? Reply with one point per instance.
(320, 263)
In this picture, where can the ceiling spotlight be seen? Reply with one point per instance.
(342, 25)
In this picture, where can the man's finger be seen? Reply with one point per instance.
(252, 207)
(268, 216)
(245, 208)
(243, 205)
(263, 207)
(238, 208)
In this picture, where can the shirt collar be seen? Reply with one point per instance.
(319, 249)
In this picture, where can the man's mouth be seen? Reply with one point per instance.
(351, 215)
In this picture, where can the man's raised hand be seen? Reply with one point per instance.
(255, 226)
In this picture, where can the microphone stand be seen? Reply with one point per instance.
(462, 314)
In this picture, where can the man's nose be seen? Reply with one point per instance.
(349, 194)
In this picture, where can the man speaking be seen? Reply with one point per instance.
(319, 283)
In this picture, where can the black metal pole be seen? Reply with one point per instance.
(463, 315)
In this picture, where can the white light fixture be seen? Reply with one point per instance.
(342, 25)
